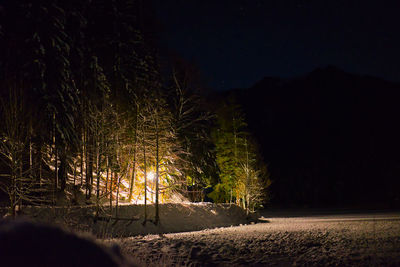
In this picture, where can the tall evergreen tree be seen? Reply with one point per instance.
(243, 178)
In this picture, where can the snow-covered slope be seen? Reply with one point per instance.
(174, 217)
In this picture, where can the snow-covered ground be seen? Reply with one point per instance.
(174, 217)
(323, 240)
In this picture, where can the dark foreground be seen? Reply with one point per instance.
(361, 239)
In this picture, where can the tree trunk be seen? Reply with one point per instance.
(93, 161)
(98, 173)
(82, 156)
(62, 172)
(20, 191)
(111, 191)
(75, 163)
(145, 177)
(117, 194)
(133, 177)
(13, 186)
(157, 216)
(132, 180)
(38, 163)
(86, 164)
(31, 169)
(55, 155)
(107, 171)
(89, 167)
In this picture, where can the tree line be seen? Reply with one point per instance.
(88, 108)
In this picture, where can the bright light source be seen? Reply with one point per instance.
(151, 176)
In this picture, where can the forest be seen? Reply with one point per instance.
(94, 113)
(145, 133)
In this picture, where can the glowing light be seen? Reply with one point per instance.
(151, 176)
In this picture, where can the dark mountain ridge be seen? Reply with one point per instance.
(330, 138)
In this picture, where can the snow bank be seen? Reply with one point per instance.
(174, 217)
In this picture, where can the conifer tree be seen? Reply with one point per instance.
(241, 179)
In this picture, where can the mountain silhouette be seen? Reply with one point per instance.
(330, 138)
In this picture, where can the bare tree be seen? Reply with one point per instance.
(17, 181)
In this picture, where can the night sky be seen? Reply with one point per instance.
(236, 43)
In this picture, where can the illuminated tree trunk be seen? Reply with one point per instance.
(118, 175)
(89, 165)
(111, 191)
(98, 168)
(55, 155)
(82, 155)
(40, 159)
(13, 188)
(62, 171)
(86, 164)
(92, 162)
(247, 184)
(75, 163)
(117, 194)
(145, 175)
(98, 174)
(107, 172)
(133, 177)
(157, 217)
(31, 173)
(235, 154)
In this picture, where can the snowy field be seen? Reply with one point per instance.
(371, 239)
